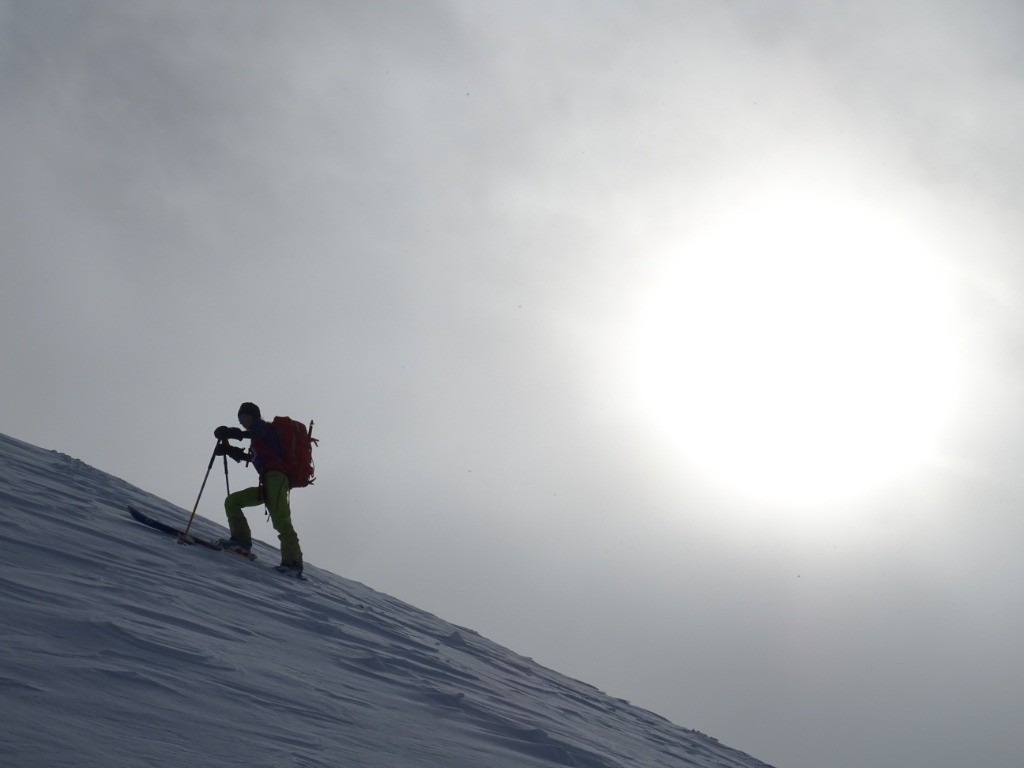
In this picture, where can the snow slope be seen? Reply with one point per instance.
(122, 648)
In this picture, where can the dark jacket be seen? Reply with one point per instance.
(265, 447)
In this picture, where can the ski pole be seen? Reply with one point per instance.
(183, 539)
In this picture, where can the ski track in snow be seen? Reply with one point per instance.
(121, 647)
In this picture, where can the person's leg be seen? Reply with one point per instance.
(275, 489)
(233, 505)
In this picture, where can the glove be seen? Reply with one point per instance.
(229, 433)
(236, 453)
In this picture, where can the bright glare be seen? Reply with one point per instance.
(802, 351)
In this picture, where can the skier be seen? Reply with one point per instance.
(265, 454)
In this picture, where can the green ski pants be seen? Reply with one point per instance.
(274, 494)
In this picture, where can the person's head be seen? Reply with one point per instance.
(248, 414)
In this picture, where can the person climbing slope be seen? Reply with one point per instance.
(268, 458)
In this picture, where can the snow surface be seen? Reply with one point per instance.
(123, 648)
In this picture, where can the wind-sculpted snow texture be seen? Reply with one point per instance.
(122, 648)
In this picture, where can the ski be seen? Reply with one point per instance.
(290, 573)
(239, 552)
(152, 523)
(179, 534)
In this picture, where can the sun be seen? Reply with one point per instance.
(800, 350)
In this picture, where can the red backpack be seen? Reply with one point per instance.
(297, 446)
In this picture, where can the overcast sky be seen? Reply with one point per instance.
(677, 345)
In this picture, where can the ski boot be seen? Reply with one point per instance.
(237, 545)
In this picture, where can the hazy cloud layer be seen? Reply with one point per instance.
(433, 227)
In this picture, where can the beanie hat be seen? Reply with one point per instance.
(250, 408)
